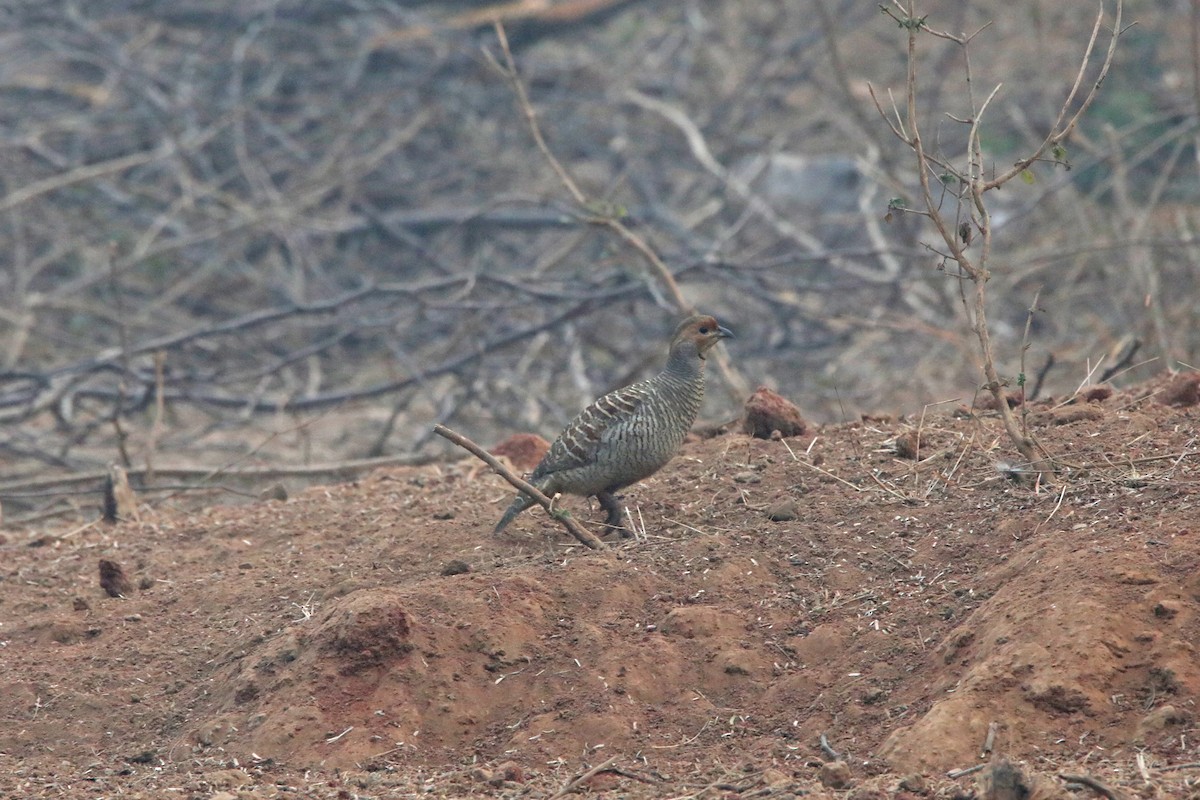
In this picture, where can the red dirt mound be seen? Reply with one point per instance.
(901, 609)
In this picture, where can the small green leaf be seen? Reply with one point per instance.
(897, 204)
(1027, 176)
(1059, 152)
(1020, 379)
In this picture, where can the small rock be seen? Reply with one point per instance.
(456, 567)
(81, 605)
(113, 580)
(1098, 394)
(908, 445)
(144, 757)
(133, 617)
(1159, 720)
(222, 795)
(482, 775)
(767, 412)
(512, 772)
(775, 777)
(914, 783)
(443, 515)
(747, 477)
(275, 492)
(67, 631)
(1166, 609)
(836, 775)
(874, 696)
(145, 583)
(1182, 391)
(524, 450)
(207, 735)
(783, 511)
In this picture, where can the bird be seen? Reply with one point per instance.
(630, 433)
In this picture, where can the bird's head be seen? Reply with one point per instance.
(701, 332)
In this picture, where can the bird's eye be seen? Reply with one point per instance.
(704, 330)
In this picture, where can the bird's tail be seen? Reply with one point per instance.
(522, 502)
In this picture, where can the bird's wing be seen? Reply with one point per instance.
(579, 442)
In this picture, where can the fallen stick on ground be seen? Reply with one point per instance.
(572, 784)
(573, 527)
(1094, 785)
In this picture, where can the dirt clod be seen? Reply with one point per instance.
(782, 511)
(1182, 391)
(523, 450)
(908, 445)
(915, 783)
(1159, 720)
(1166, 609)
(113, 580)
(836, 775)
(766, 412)
(512, 772)
(456, 567)
(277, 492)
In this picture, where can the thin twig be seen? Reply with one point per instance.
(1094, 785)
(579, 779)
(737, 384)
(573, 527)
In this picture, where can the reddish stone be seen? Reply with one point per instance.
(768, 412)
(523, 450)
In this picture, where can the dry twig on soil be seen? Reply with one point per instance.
(579, 779)
(1094, 785)
(573, 527)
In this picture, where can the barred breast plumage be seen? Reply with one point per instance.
(631, 433)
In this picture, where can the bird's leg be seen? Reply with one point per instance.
(616, 514)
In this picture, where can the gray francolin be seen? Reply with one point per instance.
(631, 433)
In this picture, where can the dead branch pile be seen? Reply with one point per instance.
(217, 215)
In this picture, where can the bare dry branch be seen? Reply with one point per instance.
(568, 522)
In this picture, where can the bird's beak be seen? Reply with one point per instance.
(724, 333)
